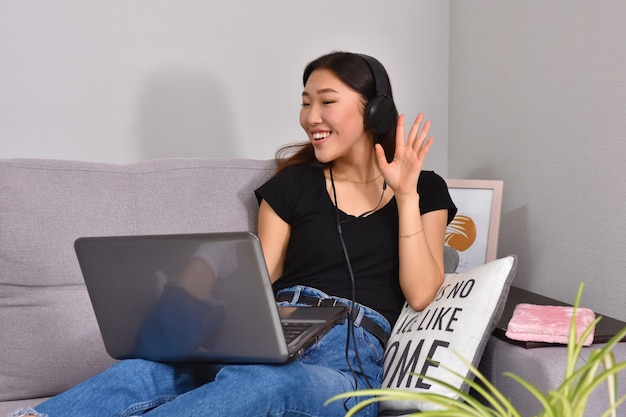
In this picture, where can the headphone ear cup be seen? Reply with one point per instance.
(380, 114)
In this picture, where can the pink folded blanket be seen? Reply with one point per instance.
(549, 324)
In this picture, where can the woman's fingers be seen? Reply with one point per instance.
(420, 136)
(400, 141)
(380, 157)
(423, 151)
(414, 132)
(417, 139)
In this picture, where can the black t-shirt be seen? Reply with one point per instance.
(314, 255)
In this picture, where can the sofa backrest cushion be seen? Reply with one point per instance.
(49, 337)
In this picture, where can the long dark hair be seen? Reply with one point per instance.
(353, 71)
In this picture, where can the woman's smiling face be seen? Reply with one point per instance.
(332, 116)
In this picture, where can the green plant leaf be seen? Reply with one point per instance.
(569, 399)
(541, 397)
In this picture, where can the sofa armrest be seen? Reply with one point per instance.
(543, 367)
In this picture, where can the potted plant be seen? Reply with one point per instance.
(568, 399)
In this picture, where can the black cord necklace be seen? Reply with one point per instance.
(367, 213)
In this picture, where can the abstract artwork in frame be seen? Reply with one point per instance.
(474, 230)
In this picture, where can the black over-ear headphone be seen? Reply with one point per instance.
(380, 112)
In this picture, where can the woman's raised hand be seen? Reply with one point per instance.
(403, 172)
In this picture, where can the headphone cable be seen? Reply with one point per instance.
(350, 330)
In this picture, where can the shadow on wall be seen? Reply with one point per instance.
(184, 113)
(514, 239)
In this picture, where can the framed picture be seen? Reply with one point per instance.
(474, 230)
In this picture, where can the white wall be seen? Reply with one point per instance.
(121, 81)
(538, 99)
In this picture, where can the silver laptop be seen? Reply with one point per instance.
(194, 297)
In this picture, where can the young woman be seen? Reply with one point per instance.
(350, 218)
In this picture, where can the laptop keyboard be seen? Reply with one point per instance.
(293, 330)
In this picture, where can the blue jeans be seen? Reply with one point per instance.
(297, 389)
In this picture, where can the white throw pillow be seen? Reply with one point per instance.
(458, 322)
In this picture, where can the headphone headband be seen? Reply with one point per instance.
(381, 81)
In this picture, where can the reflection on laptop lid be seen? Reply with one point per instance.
(193, 297)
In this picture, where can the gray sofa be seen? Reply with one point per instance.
(49, 339)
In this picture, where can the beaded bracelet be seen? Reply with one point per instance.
(411, 235)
